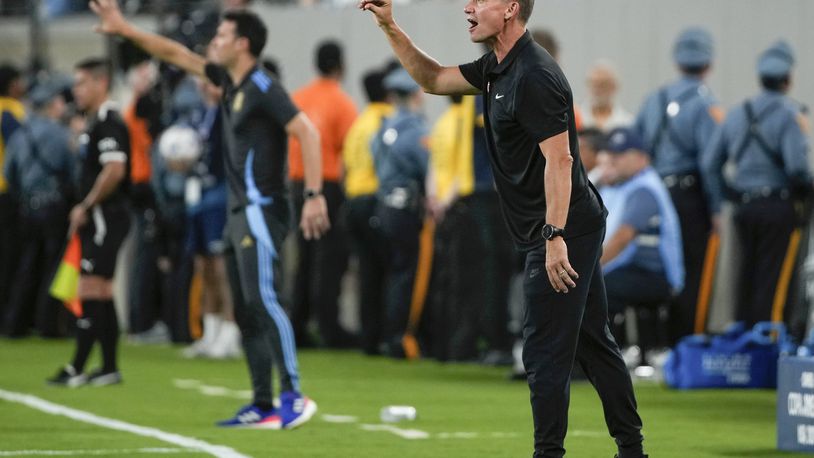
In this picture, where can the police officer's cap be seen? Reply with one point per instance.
(45, 91)
(622, 140)
(400, 81)
(776, 62)
(693, 48)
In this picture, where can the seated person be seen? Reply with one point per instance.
(642, 259)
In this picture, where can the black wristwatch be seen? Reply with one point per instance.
(311, 193)
(550, 232)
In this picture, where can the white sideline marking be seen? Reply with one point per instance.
(42, 405)
(210, 390)
(403, 433)
(459, 435)
(497, 435)
(330, 418)
(100, 452)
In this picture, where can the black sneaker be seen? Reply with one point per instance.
(68, 377)
(99, 378)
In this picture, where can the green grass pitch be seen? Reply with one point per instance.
(464, 410)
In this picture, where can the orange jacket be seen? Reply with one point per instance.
(140, 143)
(332, 111)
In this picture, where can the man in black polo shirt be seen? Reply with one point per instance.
(552, 212)
(102, 219)
(258, 117)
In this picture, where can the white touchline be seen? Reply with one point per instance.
(42, 405)
(99, 452)
(331, 418)
(403, 433)
(210, 390)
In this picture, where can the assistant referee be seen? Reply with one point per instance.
(549, 206)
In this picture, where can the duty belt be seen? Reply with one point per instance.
(764, 193)
(681, 180)
(398, 198)
(40, 200)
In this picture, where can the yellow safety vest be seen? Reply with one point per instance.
(360, 175)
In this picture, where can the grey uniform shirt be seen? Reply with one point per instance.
(39, 163)
(676, 145)
(399, 154)
(754, 168)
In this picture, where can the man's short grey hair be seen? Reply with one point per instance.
(526, 6)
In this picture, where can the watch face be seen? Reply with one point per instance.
(548, 231)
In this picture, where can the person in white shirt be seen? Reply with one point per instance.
(601, 110)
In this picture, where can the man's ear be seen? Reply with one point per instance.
(245, 41)
(511, 11)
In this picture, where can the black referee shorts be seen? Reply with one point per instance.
(102, 237)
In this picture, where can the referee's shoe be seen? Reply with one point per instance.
(101, 378)
(68, 377)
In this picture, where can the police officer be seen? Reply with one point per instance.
(676, 122)
(364, 228)
(400, 157)
(40, 172)
(764, 138)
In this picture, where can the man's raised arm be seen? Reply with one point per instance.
(426, 71)
(112, 22)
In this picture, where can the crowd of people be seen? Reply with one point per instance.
(411, 203)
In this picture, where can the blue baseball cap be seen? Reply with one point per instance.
(47, 90)
(401, 81)
(693, 48)
(776, 61)
(622, 140)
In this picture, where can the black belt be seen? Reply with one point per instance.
(765, 193)
(682, 180)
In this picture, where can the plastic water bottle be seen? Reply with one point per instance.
(394, 414)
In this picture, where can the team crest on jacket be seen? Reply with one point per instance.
(238, 103)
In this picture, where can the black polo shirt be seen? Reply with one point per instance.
(255, 113)
(106, 140)
(527, 100)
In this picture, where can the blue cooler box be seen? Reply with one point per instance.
(795, 404)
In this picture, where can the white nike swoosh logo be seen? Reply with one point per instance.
(499, 96)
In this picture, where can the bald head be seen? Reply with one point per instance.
(603, 82)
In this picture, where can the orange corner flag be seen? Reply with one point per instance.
(65, 286)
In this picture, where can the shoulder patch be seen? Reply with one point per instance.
(108, 144)
(237, 104)
(261, 80)
(716, 113)
(802, 121)
(425, 142)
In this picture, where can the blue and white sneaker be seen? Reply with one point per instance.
(251, 416)
(295, 409)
